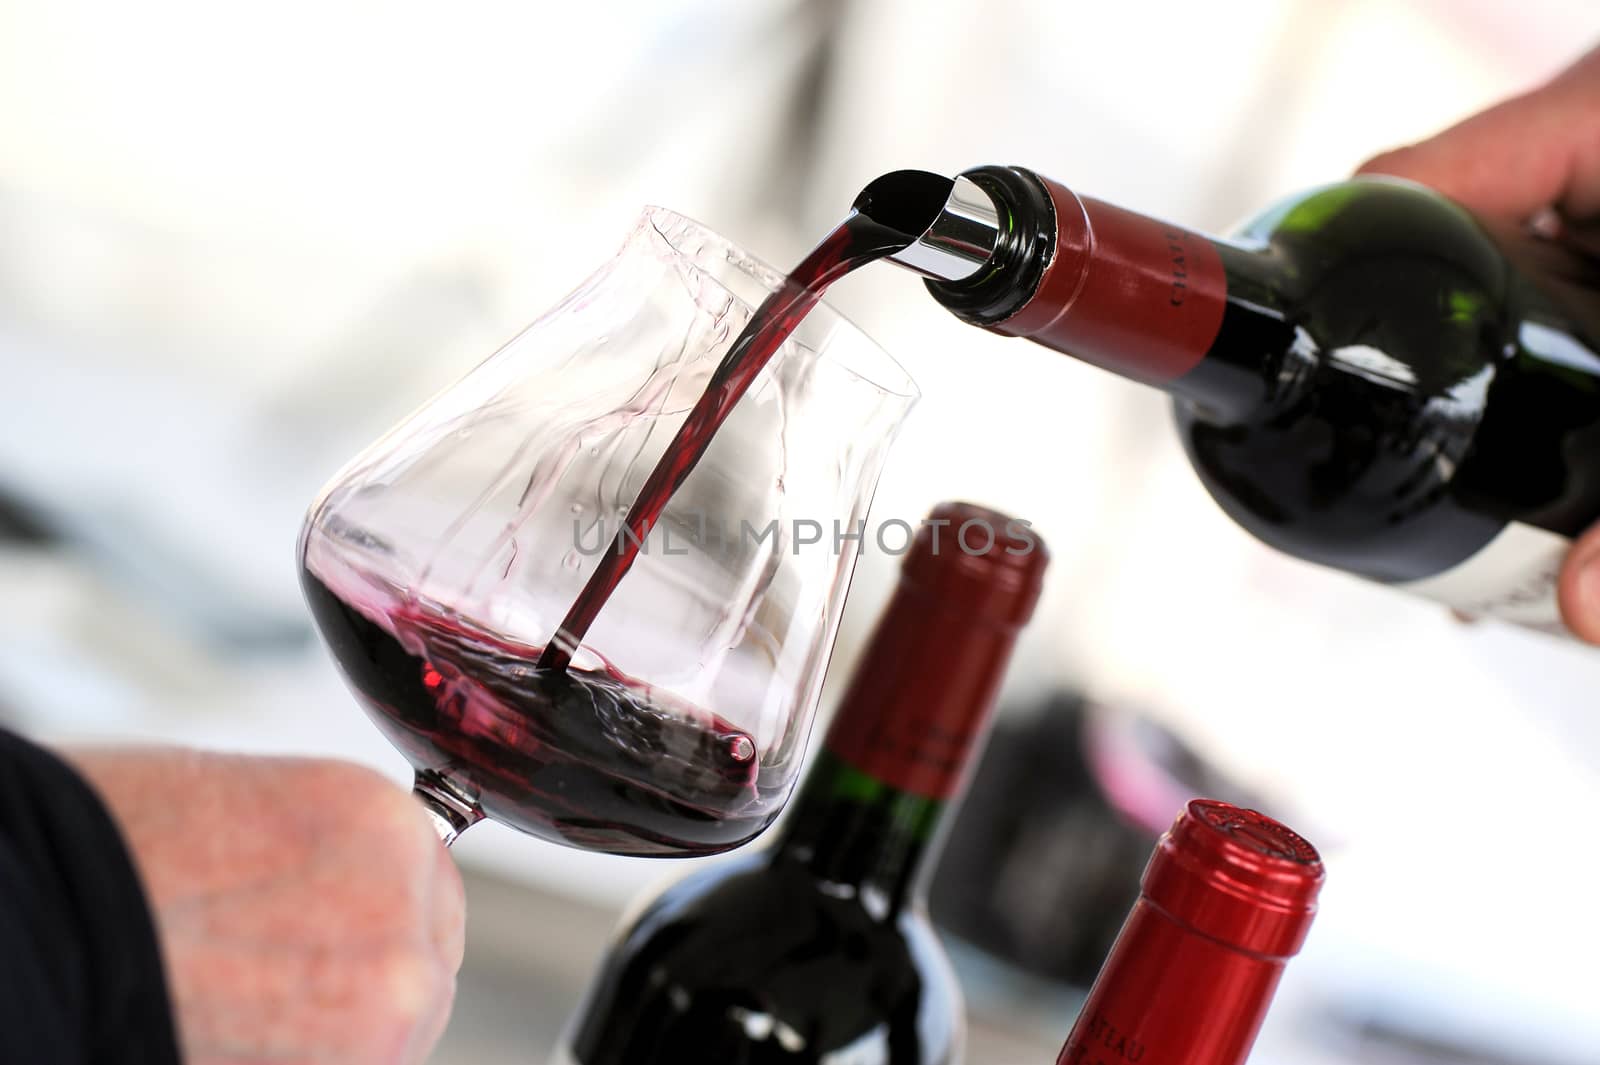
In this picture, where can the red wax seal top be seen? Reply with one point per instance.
(1237, 876)
(917, 703)
(1131, 294)
(972, 558)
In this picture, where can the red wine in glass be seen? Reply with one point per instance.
(584, 757)
(591, 757)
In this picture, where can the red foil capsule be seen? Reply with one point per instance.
(1226, 901)
(1136, 296)
(969, 582)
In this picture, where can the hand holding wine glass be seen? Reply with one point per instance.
(1532, 160)
(305, 908)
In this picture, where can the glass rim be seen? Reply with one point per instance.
(902, 385)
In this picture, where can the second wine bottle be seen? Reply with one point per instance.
(819, 948)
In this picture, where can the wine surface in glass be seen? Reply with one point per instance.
(583, 757)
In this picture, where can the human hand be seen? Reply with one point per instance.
(1533, 160)
(307, 912)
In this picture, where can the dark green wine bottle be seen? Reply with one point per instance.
(820, 949)
(1366, 376)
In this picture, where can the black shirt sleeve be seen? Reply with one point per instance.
(81, 979)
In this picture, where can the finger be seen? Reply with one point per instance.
(449, 913)
(431, 1028)
(1583, 238)
(1534, 151)
(1578, 590)
(247, 1001)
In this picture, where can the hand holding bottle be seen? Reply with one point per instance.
(1534, 159)
(1371, 376)
(305, 908)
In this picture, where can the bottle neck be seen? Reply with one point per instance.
(1167, 993)
(1154, 302)
(859, 834)
(909, 726)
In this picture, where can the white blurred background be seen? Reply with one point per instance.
(237, 242)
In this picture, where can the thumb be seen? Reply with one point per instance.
(1579, 587)
(1537, 150)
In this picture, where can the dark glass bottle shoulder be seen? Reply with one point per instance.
(1418, 391)
(759, 963)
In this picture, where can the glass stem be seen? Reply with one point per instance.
(451, 811)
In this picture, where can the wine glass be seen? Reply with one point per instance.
(441, 560)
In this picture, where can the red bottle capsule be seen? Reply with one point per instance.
(1226, 901)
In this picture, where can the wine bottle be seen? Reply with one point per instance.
(1366, 377)
(1226, 900)
(819, 949)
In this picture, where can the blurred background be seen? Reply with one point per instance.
(238, 242)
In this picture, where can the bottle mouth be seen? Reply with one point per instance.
(952, 226)
(979, 561)
(1255, 832)
(1237, 876)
